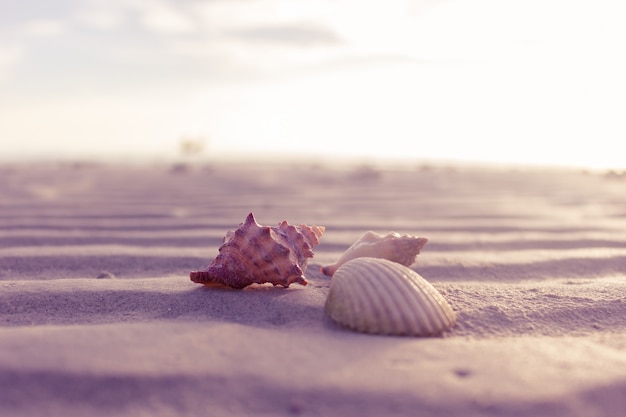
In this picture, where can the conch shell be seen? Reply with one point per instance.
(373, 295)
(260, 254)
(395, 247)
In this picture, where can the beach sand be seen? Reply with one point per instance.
(98, 316)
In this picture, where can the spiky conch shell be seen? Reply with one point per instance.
(258, 254)
(402, 249)
(373, 295)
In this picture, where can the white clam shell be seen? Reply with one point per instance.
(373, 295)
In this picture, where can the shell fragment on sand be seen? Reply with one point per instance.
(402, 249)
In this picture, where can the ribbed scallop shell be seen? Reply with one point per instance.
(402, 249)
(373, 295)
(260, 254)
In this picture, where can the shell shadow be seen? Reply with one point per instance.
(258, 305)
(262, 304)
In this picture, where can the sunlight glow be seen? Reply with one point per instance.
(513, 90)
(533, 82)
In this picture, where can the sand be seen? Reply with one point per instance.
(98, 316)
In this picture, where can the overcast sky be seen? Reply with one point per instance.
(497, 80)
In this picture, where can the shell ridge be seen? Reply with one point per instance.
(423, 308)
(447, 315)
(360, 316)
(438, 316)
(432, 317)
(342, 303)
(402, 312)
(407, 301)
(429, 318)
(363, 299)
(413, 300)
(374, 289)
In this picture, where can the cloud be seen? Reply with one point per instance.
(157, 16)
(44, 28)
(105, 19)
(167, 19)
(102, 43)
(10, 57)
(288, 34)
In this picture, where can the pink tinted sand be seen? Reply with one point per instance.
(98, 315)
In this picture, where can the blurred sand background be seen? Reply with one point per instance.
(98, 316)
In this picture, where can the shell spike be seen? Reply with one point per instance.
(250, 220)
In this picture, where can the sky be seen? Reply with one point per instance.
(504, 81)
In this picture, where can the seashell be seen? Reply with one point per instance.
(395, 247)
(259, 254)
(373, 295)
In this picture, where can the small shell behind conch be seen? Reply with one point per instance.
(373, 295)
(259, 254)
(395, 247)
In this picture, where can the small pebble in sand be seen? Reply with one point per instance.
(462, 372)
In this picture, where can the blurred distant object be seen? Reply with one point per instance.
(615, 174)
(365, 173)
(192, 145)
